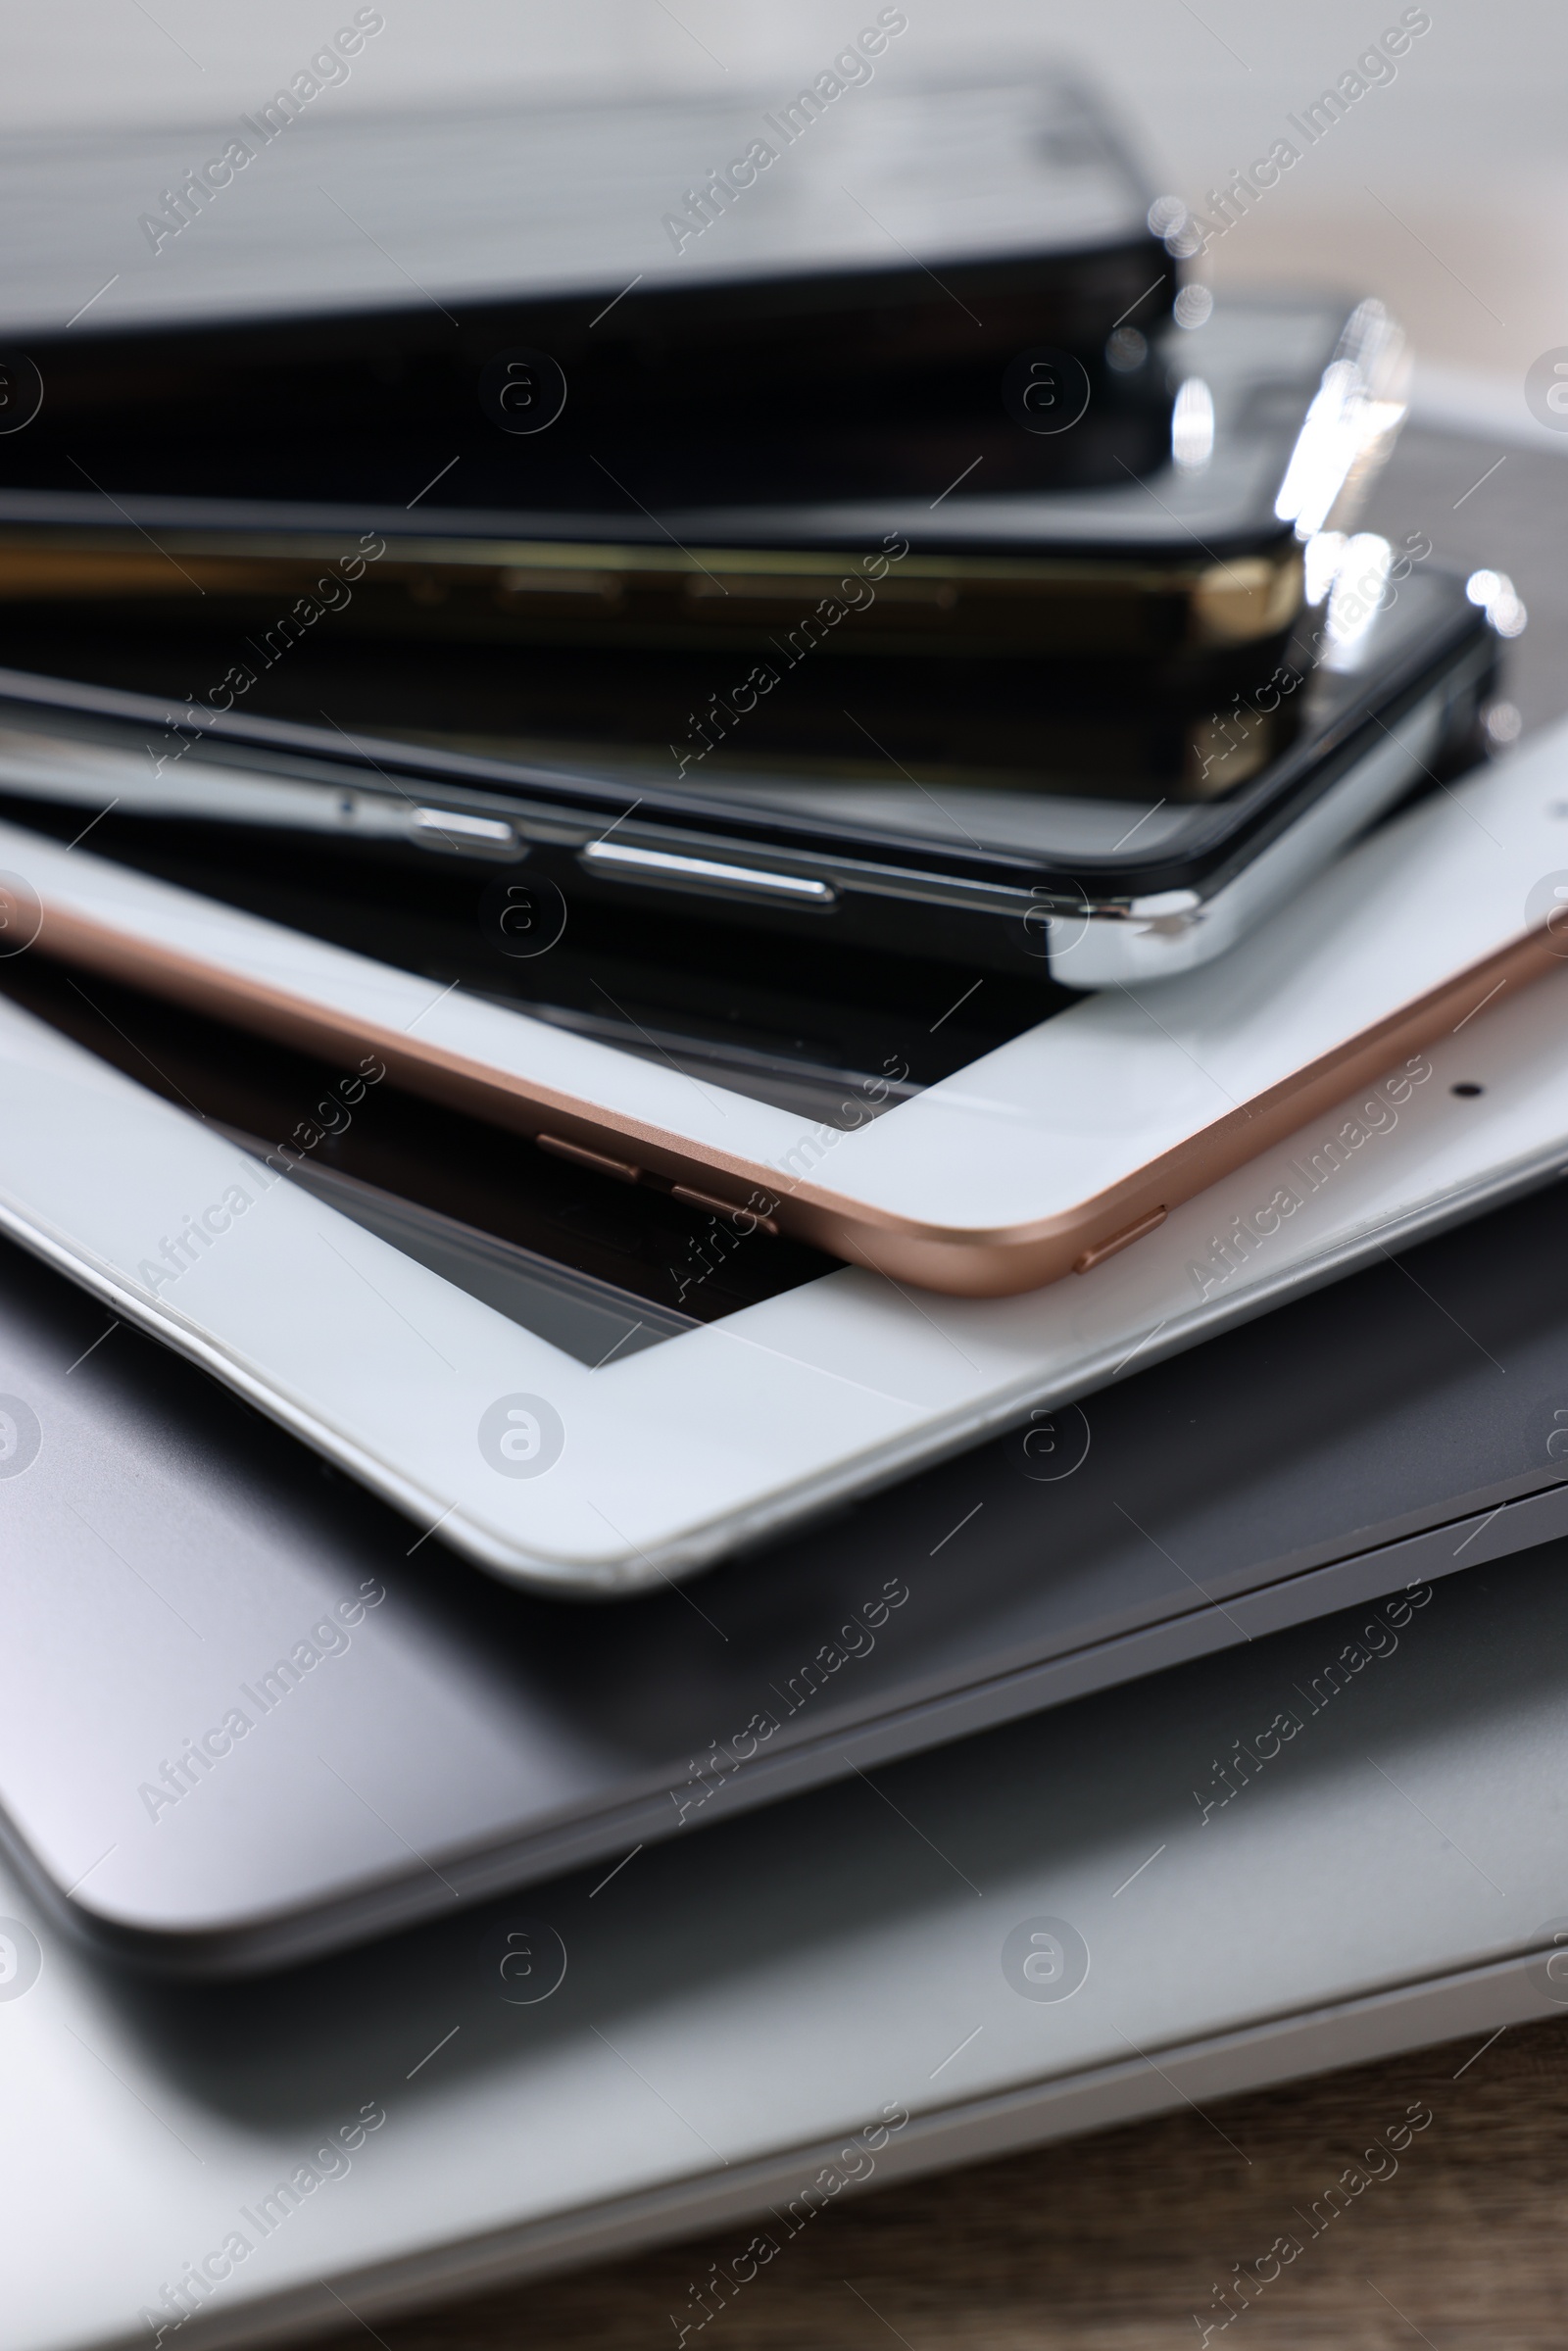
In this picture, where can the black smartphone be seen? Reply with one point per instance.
(1077, 839)
(813, 291)
(492, 630)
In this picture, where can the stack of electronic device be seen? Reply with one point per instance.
(652, 892)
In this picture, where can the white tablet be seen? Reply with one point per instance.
(578, 1475)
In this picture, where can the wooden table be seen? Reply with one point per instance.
(1122, 2242)
(1112, 2243)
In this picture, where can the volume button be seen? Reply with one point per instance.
(1120, 1240)
(624, 1171)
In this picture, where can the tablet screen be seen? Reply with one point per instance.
(598, 1268)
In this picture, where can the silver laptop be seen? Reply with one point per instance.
(1150, 1897)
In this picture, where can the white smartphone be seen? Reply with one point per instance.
(1049, 1154)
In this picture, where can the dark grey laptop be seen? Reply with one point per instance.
(248, 1721)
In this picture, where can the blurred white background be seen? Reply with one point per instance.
(1447, 190)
